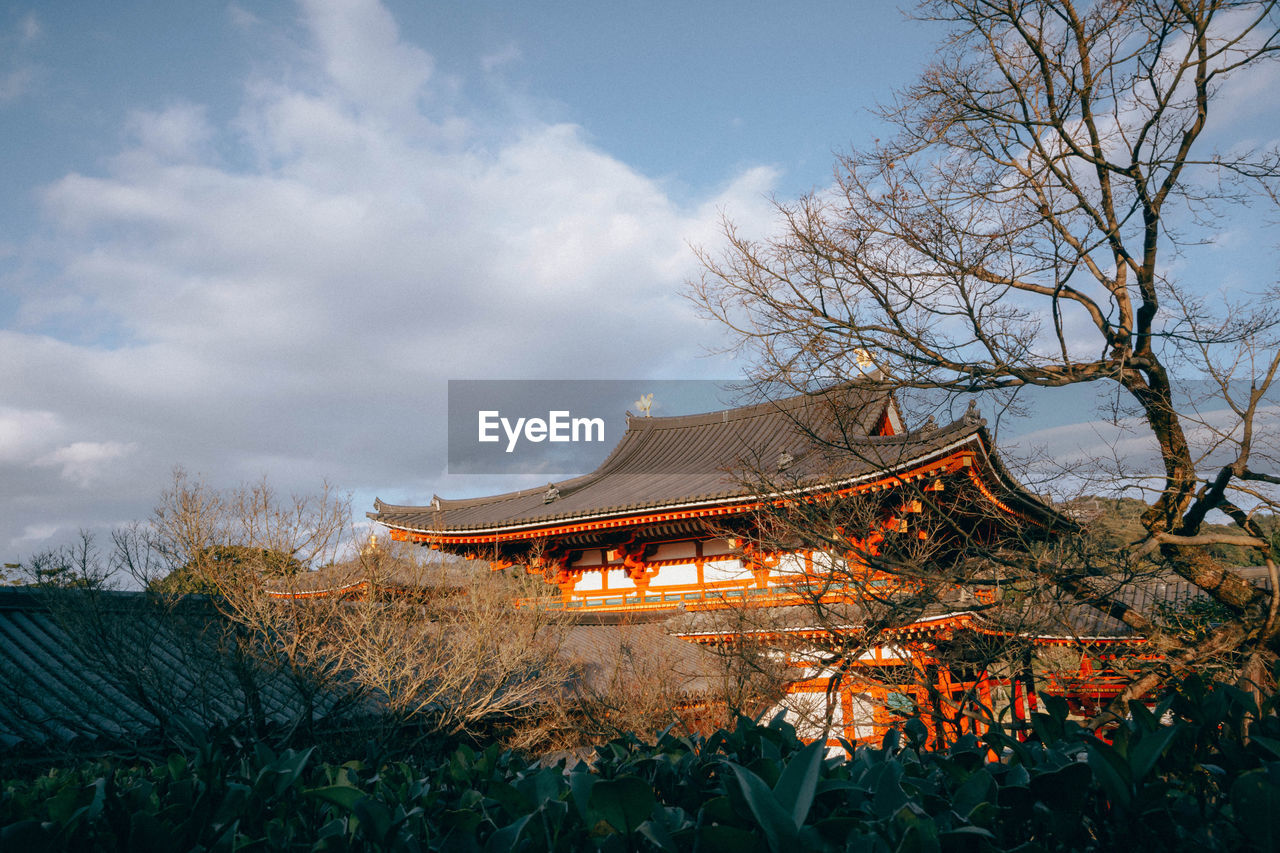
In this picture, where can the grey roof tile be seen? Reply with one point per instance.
(99, 667)
(718, 457)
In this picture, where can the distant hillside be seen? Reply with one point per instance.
(1115, 523)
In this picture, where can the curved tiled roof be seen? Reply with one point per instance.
(92, 669)
(797, 445)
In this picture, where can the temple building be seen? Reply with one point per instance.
(698, 523)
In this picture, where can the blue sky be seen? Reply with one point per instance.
(687, 94)
(258, 238)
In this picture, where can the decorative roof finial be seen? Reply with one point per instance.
(971, 415)
(550, 494)
(645, 405)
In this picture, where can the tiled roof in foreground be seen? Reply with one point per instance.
(805, 443)
(87, 669)
(91, 671)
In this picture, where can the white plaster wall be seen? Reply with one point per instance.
(807, 712)
(790, 564)
(824, 562)
(589, 581)
(723, 570)
(863, 718)
(679, 574)
(618, 579)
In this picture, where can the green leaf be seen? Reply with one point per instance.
(917, 733)
(799, 781)
(375, 818)
(94, 808)
(718, 809)
(726, 839)
(1017, 776)
(1064, 788)
(1142, 716)
(62, 805)
(340, 795)
(1255, 799)
(26, 835)
(580, 785)
(887, 794)
(837, 830)
(505, 839)
(233, 804)
(546, 784)
(920, 836)
(146, 833)
(977, 789)
(1270, 744)
(1147, 750)
(960, 835)
(999, 741)
(512, 800)
(777, 823)
(1111, 771)
(656, 832)
(624, 803)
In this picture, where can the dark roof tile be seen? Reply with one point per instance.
(719, 457)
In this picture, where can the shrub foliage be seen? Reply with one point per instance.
(1180, 776)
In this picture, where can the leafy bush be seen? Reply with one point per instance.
(1173, 778)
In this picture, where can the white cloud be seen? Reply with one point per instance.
(242, 17)
(15, 83)
(1099, 456)
(26, 433)
(364, 57)
(298, 314)
(508, 54)
(176, 134)
(83, 462)
(17, 73)
(36, 535)
(29, 28)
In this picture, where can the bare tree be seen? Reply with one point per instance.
(135, 667)
(886, 601)
(1020, 230)
(450, 647)
(431, 645)
(231, 544)
(301, 625)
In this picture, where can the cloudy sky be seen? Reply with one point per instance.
(258, 238)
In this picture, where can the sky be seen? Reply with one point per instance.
(258, 239)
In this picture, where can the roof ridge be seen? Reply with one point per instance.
(457, 503)
(754, 410)
(630, 444)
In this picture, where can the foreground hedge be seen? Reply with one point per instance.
(1173, 779)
